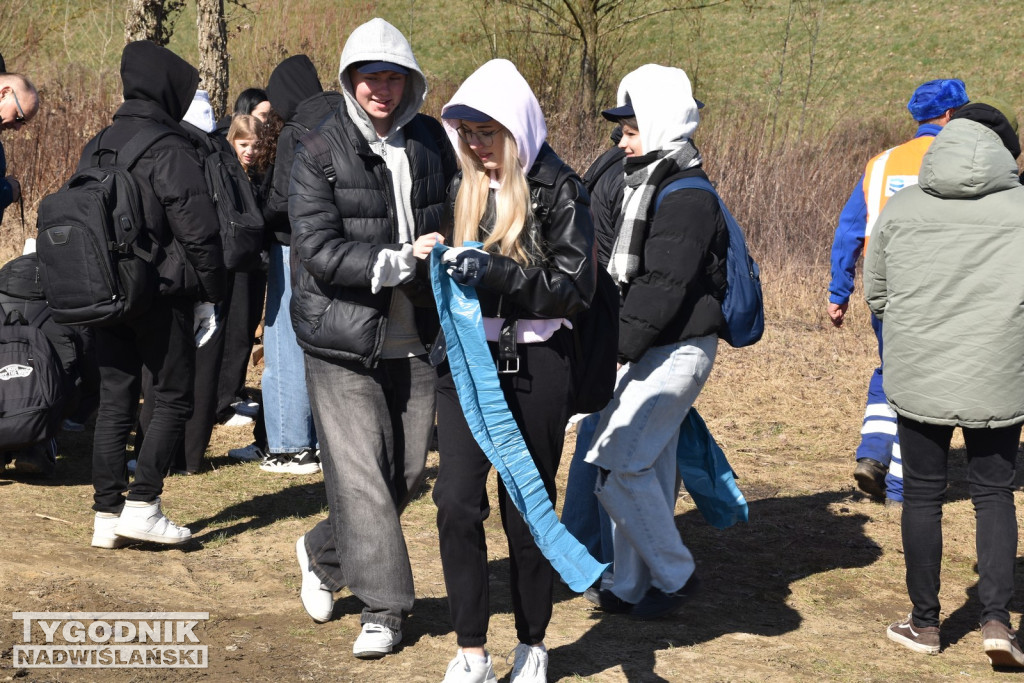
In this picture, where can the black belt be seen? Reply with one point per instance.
(508, 359)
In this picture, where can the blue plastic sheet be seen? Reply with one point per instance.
(707, 475)
(496, 431)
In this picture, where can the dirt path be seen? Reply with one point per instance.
(803, 592)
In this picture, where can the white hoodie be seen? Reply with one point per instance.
(500, 91)
(662, 100)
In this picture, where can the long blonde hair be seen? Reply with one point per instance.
(512, 201)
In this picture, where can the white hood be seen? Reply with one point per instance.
(379, 41)
(662, 99)
(200, 113)
(500, 91)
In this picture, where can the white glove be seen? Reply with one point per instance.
(393, 268)
(205, 322)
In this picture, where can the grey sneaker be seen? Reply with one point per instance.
(924, 639)
(1001, 644)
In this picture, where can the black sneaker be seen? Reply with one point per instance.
(606, 601)
(303, 462)
(870, 476)
(923, 639)
(657, 603)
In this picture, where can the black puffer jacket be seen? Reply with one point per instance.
(562, 283)
(180, 215)
(338, 230)
(678, 291)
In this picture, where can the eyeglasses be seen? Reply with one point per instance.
(20, 117)
(478, 137)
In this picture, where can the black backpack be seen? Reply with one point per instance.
(32, 383)
(93, 246)
(240, 214)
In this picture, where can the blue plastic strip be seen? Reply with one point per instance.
(496, 431)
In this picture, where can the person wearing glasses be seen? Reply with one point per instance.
(19, 102)
(366, 198)
(534, 271)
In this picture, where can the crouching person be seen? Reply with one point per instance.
(366, 199)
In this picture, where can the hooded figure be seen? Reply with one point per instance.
(669, 261)
(943, 273)
(182, 231)
(298, 98)
(366, 198)
(533, 272)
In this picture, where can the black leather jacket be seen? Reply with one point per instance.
(562, 282)
(338, 229)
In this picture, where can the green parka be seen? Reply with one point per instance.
(943, 270)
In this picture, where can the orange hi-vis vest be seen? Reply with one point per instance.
(888, 173)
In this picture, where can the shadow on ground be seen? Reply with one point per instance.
(745, 572)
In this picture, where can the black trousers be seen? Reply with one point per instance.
(160, 341)
(539, 397)
(244, 313)
(991, 461)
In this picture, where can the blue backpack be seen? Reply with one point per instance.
(743, 306)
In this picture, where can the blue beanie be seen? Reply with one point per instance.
(933, 98)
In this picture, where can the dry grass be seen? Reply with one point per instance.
(802, 592)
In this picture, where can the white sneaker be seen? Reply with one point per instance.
(146, 522)
(531, 664)
(303, 462)
(318, 601)
(237, 420)
(375, 641)
(103, 535)
(250, 453)
(470, 669)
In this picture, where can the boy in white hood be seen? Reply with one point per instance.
(533, 272)
(366, 198)
(669, 263)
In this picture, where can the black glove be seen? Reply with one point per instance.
(467, 265)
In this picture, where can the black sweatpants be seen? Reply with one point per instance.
(539, 397)
(160, 341)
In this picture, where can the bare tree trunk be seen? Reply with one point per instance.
(213, 53)
(144, 20)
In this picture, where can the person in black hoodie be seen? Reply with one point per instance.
(298, 98)
(182, 226)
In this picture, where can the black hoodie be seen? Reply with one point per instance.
(296, 95)
(180, 215)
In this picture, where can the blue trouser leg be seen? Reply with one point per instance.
(582, 514)
(878, 439)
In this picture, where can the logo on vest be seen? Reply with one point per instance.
(14, 371)
(895, 183)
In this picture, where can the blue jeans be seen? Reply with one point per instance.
(635, 447)
(582, 514)
(285, 399)
(374, 426)
(878, 438)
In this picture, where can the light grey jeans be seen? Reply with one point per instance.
(374, 427)
(635, 447)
